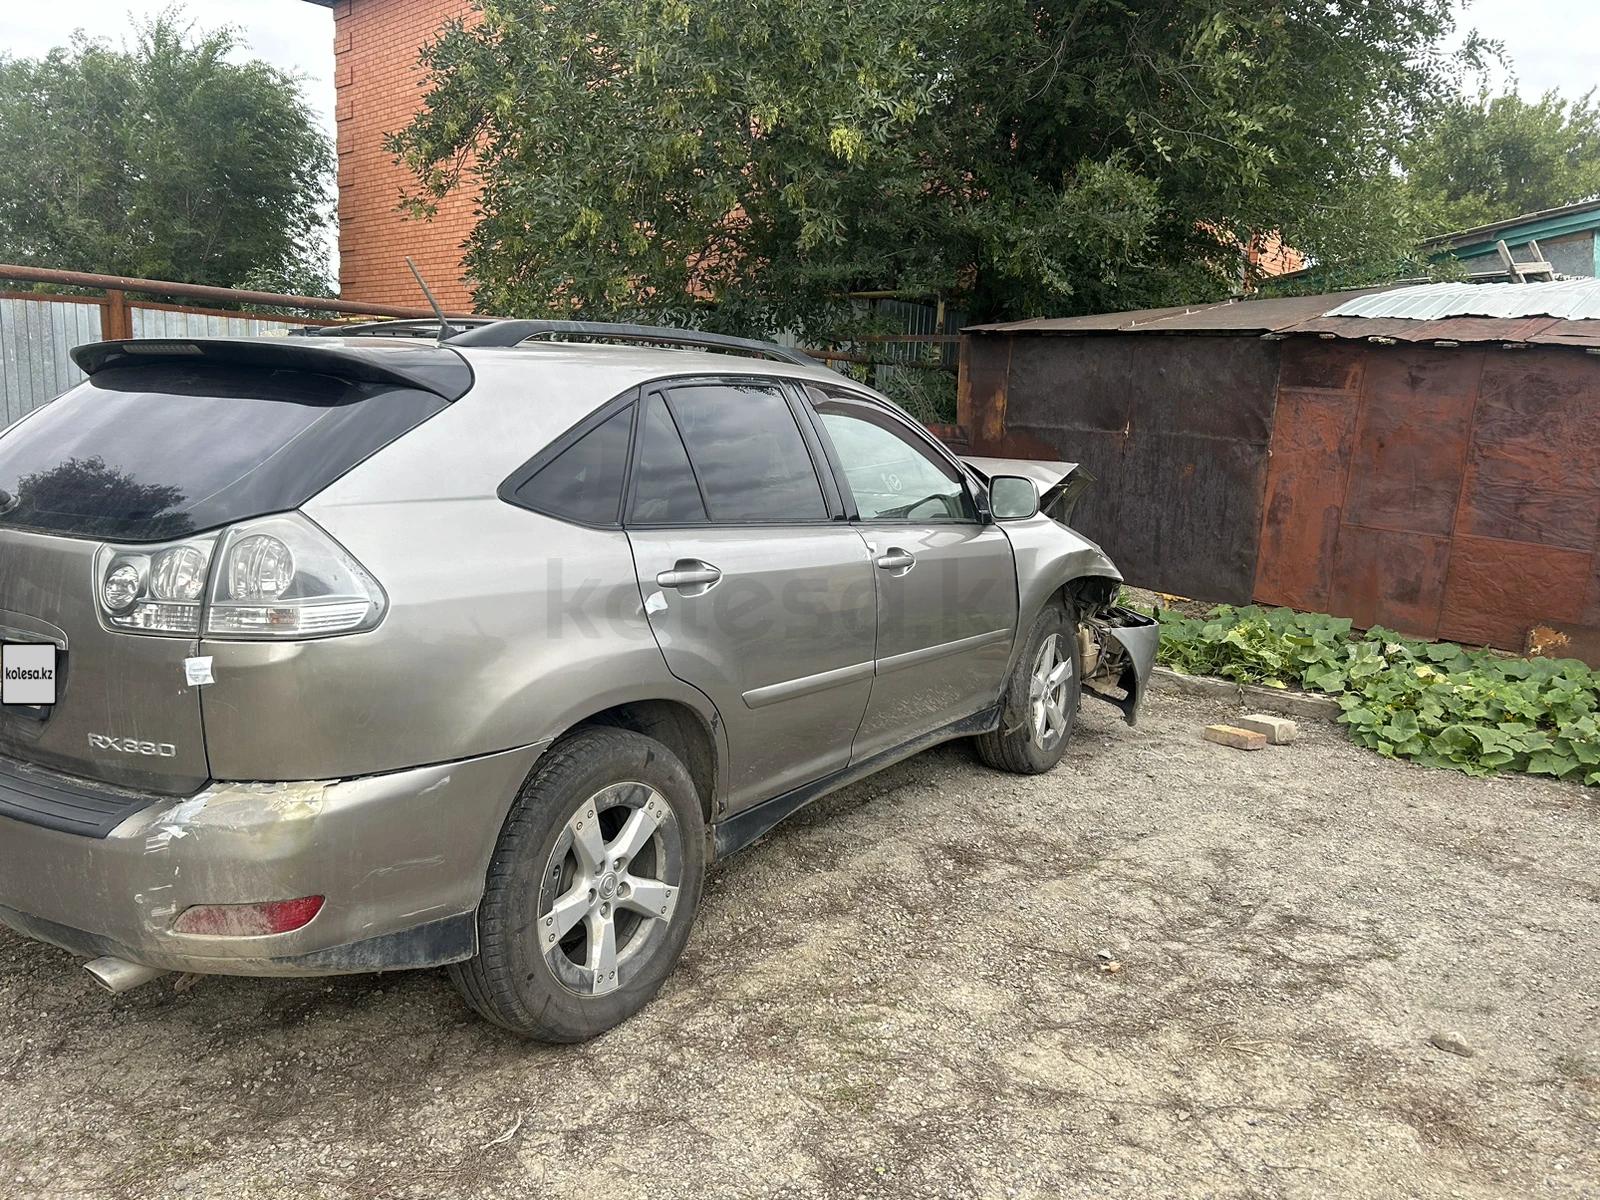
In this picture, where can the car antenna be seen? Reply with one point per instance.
(446, 330)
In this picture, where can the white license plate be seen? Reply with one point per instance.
(28, 673)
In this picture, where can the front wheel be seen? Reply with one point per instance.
(592, 888)
(1040, 705)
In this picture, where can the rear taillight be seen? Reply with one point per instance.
(274, 578)
(283, 577)
(248, 920)
(155, 589)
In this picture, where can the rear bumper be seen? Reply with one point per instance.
(401, 859)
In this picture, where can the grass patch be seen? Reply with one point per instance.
(1432, 702)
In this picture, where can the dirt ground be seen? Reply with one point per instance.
(905, 992)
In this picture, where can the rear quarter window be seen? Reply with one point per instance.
(150, 453)
(583, 483)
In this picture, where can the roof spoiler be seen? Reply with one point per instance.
(424, 367)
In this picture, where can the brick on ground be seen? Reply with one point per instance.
(1279, 731)
(1239, 739)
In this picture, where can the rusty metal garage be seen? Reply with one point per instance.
(1421, 468)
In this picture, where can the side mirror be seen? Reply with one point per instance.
(1013, 497)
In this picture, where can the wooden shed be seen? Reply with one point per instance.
(1426, 468)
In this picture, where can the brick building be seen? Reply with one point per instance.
(378, 82)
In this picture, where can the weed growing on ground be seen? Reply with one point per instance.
(1434, 702)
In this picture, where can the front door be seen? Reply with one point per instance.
(946, 581)
(757, 592)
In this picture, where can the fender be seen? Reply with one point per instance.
(1120, 646)
(1049, 556)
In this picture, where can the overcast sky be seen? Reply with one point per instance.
(290, 34)
(1551, 43)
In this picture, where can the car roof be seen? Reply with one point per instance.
(578, 377)
(641, 363)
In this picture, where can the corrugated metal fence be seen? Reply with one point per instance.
(182, 323)
(35, 335)
(38, 330)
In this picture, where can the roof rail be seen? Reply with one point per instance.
(514, 333)
(419, 327)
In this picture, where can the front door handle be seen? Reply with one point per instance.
(895, 560)
(689, 576)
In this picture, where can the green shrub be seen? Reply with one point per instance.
(1434, 702)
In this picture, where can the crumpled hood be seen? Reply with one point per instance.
(1060, 483)
(1045, 474)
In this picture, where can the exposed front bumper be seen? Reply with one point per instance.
(401, 859)
(1139, 637)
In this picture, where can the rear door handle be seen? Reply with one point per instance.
(896, 560)
(689, 576)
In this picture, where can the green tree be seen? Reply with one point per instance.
(165, 159)
(745, 163)
(1484, 158)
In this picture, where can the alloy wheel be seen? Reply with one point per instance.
(1047, 692)
(610, 888)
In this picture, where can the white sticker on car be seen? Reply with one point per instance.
(27, 673)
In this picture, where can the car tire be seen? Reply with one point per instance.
(1029, 704)
(568, 944)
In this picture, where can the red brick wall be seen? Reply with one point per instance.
(375, 46)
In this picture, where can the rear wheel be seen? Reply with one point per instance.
(591, 890)
(1040, 707)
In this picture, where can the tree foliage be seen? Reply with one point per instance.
(745, 163)
(1485, 158)
(165, 159)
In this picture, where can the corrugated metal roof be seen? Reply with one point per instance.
(1226, 316)
(1448, 329)
(1567, 299)
(1459, 312)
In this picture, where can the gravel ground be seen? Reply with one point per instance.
(906, 992)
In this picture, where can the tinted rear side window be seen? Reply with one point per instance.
(584, 482)
(666, 492)
(144, 454)
(748, 454)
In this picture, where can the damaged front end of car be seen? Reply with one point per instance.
(1117, 646)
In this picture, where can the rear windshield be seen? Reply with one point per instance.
(149, 453)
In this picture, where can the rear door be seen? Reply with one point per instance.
(124, 712)
(946, 581)
(757, 591)
(151, 460)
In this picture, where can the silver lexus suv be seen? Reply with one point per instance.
(473, 647)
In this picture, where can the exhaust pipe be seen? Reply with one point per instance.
(118, 975)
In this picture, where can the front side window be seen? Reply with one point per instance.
(891, 477)
(748, 453)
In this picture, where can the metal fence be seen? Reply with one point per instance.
(156, 322)
(38, 331)
(35, 336)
